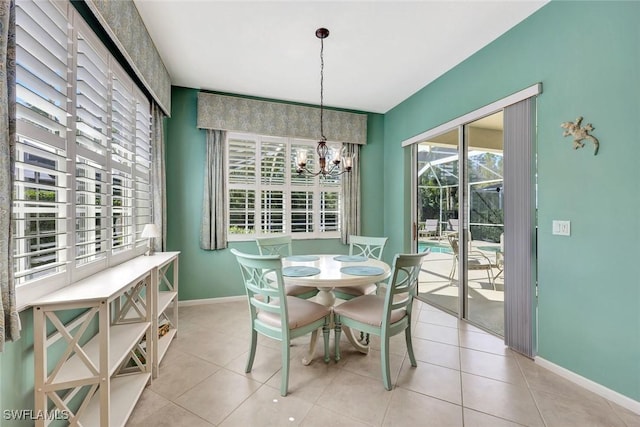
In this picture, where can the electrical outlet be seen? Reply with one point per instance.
(561, 228)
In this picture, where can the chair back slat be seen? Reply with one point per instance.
(279, 245)
(263, 282)
(403, 282)
(371, 247)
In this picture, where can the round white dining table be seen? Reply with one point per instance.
(332, 275)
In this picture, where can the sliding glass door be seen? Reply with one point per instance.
(474, 208)
(460, 220)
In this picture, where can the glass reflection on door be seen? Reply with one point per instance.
(484, 304)
(437, 218)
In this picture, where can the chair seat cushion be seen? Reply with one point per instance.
(301, 313)
(295, 290)
(368, 309)
(357, 291)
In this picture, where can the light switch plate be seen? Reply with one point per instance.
(561, 228)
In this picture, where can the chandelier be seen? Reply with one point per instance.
(331, 163)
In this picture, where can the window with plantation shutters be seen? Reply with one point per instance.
(41, 182)
(242, 185)
(142, 191)
(92, 142)
(267, 196)
(83, 160)
(123, 118)
(329, 210)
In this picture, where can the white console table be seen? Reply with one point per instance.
(102, 358)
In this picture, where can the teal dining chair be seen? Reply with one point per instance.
(370, 247)
(281, 245)
(276, 315)
(387, 315)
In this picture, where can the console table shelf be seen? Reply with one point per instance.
(122, 338)
(120, 312)
(125, 392)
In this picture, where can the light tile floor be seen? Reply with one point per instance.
(465, 377)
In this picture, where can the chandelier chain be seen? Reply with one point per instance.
(322, 89)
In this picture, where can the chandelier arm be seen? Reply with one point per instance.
(333, 171)
(308, 172)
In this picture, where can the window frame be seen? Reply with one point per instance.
(317, 187)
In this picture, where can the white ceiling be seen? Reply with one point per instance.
(378, 53)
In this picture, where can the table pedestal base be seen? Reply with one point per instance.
(328, 299)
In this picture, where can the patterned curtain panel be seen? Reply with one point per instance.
(158, 178)
(351, 195)
(213, 228)
(9, 320)
(233, 113)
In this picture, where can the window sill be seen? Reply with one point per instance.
(252, 238)
(28, 293)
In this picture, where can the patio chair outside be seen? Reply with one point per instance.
(475, 260)
(430, 229)
(275, 315)
(499, 260)
(386, 315)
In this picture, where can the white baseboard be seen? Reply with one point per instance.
(211, 301)
(600, 390)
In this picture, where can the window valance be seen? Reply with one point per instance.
(121, 20)
(232, 113)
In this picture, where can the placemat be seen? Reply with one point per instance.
(300, 271)
(356, 270)
(350, 258)
(302, 258)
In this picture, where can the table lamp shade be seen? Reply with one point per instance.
(150, 230)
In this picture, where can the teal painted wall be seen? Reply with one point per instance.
(17, 374)
(587, 56)
(211, 274)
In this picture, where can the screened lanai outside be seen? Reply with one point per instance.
(438, 196)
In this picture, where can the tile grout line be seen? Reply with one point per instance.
(533, 397)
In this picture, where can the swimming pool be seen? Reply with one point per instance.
(435, 247)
